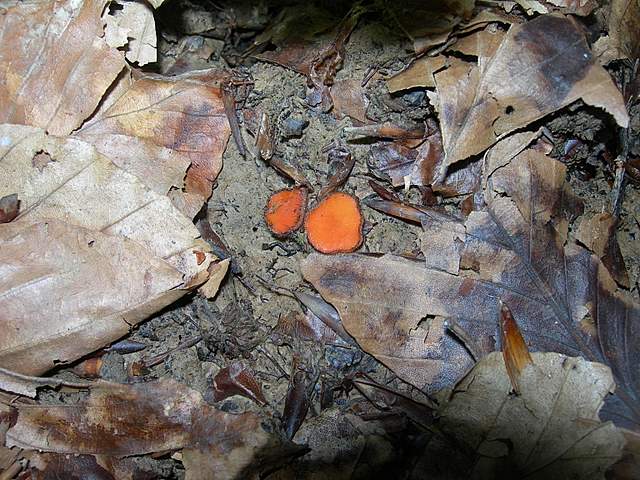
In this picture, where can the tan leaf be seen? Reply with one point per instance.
(67, 291)
(598, 234)
(81, 187)
(157, 128)
(119, 419)
(551, 430)
(28, 386)
(349, 99)
(55, 63)
(540, 67)
(418, 74)
(135, 22)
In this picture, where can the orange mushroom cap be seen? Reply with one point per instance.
(285, 211)
(335, 224)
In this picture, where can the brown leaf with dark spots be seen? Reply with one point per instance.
(514, 349)
(130, 420)
(548, 65)
(9, 208)
(55, 63)
(236, 379)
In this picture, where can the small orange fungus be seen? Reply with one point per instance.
(285, 211)
(335, 224)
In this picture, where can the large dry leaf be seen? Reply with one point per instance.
(66, 291)
(516, 251)
(78, 185)
(131, 420)
(550, 430)
(55, 63)
(539, 67)
(158, 128)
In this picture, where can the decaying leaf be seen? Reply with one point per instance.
(158, 127)
(515, 250)
(598, 234)
(83, 291)
(55, 63)
(349, 99)
(577, 7)
(550, 430)
(237, 379)
(119, 419)
(133, 23)
(418, 74)
(421, 165)
(28, 386)
(548, 65)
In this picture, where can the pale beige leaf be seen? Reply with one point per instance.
(550, 430)
(135, 22)
(540, 67)
(66, 291)
(55, 64)
(81, 187)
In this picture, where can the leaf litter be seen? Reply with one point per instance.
(392, 373)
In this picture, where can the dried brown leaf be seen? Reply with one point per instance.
(551, 430)
(169, 132)
(237, 379)
(598, 234)
(132, 419)
(540, 67)
(623, 40)
(418, 74)
(82, 187)
(349, 99)
(55, 63)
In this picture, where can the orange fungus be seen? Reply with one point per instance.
(285, 211)
(335, 224)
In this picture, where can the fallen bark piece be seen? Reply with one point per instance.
(335, 224)
(285, 211)
(550, 430)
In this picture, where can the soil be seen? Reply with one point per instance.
(240, 323)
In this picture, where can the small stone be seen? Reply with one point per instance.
(415, 98)
(292, 127)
